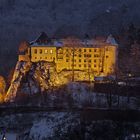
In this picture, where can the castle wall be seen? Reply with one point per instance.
(98, 60)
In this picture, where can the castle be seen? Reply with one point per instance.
(97, 56)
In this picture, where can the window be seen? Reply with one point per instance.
(84, 50)
(89, 60)
(84, 65)
(35, 57)
(74, 60)
(95, 50)
(67, 55)
(35, 51)
(88, 55)
(51, 51)
(67, 60)
(79, 55)
(95, 61)
(89, 65)
(94, 65)
(45, 57)
(40, 50)
(107, 56)
(79, 60)
(85, 55)
(46, 51)
(73, 65)
(107, 49)
(96, 55)
(79, 65)
(79, 50)
(89, 50)
(40, 57)
(85, 60)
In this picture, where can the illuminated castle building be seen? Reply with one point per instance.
(97, 56)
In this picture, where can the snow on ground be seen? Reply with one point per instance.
(54, 125)
(83, 95)
(9, 136)
(51, 124)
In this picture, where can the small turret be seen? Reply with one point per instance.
(111, 40)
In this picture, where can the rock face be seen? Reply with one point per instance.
(38, 77)
(20, 71)
(33, 78)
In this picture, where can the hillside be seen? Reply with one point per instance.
(26, 19)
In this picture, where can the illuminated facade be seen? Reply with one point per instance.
(95, 56)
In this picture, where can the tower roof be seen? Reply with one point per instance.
(111, 40)
(43, 38)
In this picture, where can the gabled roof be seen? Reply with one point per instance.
(42, 39)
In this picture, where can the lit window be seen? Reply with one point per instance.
(35, 51)
(46, 51)
(51, 51)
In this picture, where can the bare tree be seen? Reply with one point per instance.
(2, 88)
(72, 43)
